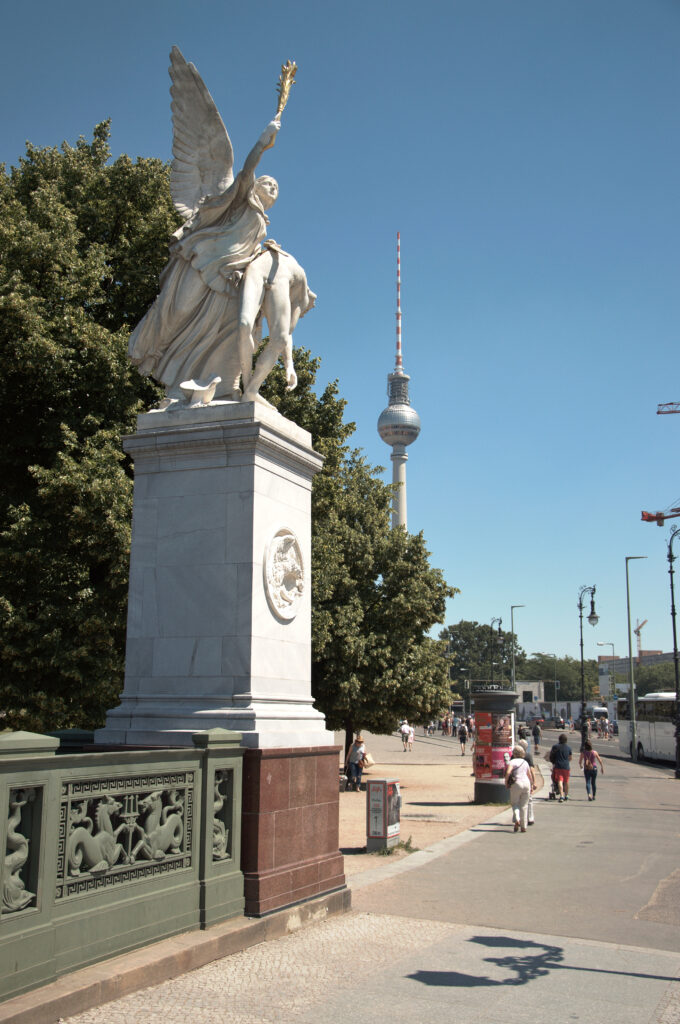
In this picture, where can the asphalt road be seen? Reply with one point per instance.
(606, 870)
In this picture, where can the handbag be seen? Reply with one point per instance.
(512, 778)
(368, 761)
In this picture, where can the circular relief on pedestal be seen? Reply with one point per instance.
(284, 574)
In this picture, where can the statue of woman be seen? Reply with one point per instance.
(192, 329)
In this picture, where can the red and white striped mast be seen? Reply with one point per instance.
(398, 367)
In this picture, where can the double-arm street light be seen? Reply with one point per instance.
(633, 721)
(671, 558)
(612, 677)
(593, 620)
(512, 634)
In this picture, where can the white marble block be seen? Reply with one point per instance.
(219, 617)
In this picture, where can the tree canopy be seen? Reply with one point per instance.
(567, 671)
(82, 242)
(479, 652)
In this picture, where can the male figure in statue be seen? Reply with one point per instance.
(219, 282)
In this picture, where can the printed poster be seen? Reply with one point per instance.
(376, 810)
(393, 809)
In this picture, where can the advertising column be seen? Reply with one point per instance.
(494, 739)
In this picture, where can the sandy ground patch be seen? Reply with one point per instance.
(437, 788)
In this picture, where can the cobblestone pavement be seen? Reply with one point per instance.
(389, 968)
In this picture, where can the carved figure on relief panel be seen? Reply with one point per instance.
(163, 826)
(220, 831)
(15, 895)
(219, 283)
(98, 851)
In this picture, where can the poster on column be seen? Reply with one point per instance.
(493, 743)
(502, 728)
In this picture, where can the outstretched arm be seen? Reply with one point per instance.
(265, 141)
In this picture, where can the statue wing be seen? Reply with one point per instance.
(203, 158)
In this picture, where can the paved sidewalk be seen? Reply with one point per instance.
(389, 969)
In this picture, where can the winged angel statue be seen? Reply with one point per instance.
(222, 278)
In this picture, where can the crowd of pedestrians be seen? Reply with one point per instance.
(521, 780)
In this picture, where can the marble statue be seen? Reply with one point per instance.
(222, 277)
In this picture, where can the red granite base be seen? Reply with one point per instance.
(289, 831)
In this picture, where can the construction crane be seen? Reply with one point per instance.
(663, 409)
(638, 631)
(660, 517)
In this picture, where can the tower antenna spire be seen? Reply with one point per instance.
(398, 366)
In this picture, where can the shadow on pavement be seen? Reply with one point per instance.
(527, 967)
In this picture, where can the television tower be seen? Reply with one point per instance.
(398, 424)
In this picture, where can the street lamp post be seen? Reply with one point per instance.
(512, 634)
(493, 623)
(612, 676)
(671, 558)
(633, 722)
(593, 620)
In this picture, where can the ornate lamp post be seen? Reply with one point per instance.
(671, 558)
(593, 619)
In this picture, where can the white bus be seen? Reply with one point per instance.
(655, 726)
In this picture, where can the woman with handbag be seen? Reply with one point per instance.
(588, 761)
(520, 780)
(354, 762)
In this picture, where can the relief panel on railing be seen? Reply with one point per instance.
(17, 873)
(222, 813)
(119, 830)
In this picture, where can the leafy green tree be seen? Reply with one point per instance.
(651, 678)
(473, 646)
(82, 241)
(568, 673)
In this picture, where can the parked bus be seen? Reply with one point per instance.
(655, 726)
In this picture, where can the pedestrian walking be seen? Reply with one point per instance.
(589, 760)
(536, 733)
(462, 736)
(411, 737)
(520, 780)
(404, 729)
(560, 758)
(529, 758)
(354, 762)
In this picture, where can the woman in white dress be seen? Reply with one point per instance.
(520, 780)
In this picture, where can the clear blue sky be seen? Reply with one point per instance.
(528, 152)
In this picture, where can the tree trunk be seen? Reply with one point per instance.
(349, 735)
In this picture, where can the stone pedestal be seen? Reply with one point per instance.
(289, 827)
(219, 619)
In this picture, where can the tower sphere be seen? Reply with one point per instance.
(399, 424)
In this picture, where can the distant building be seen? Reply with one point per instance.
(620, 667)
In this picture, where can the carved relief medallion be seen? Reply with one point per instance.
(284, 575)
